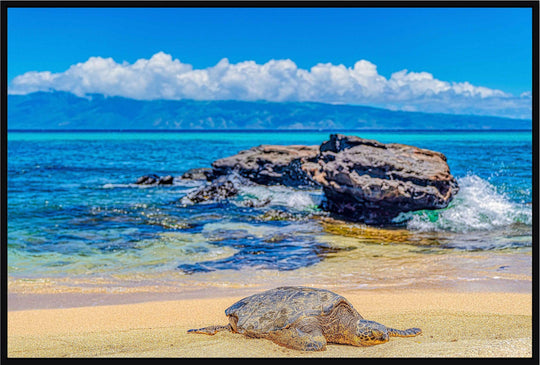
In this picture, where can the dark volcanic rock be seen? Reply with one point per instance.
(271, 165)
(362, 180)
(166, 180)
(256, 203)
(221, 188)
(202, 173)
(147, 180)
(372, 182)
(154, 179)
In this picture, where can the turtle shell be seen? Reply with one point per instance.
(278, 308)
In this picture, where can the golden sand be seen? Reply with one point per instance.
(454, 324)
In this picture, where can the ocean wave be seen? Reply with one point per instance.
(477, 207)
(114, 186)
(282, 196)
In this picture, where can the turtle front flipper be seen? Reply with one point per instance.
(211, 330)
(411, 332)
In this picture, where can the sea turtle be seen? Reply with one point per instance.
(304, 318)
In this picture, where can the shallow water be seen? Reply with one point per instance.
(75, 216)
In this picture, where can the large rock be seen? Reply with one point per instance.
(271, 165)
(363, 180)
(372, 182)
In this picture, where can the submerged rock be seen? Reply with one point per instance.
(166, 180)
(372, 182)
(271, 165)
(277, 215)
(282, 215)
(147, 180)
(219, 189)
(255, 202)
(154, 179)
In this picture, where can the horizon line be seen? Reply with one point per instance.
(48, 130)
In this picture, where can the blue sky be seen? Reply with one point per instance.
(489, 48)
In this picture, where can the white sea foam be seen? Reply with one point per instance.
(477, 206)
(299, 200)
(177, 182)
(131, 185)
(112, 186)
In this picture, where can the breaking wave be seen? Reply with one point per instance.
(477, 207)
(289, 198)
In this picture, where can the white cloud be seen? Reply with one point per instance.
(162, 77)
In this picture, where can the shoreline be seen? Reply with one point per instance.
(454, 323)
(80, 297)
(368, 267)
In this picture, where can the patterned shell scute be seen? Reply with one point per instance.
(278, 308)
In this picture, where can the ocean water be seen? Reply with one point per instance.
(76, 216)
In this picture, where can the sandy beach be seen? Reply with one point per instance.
(454, 324)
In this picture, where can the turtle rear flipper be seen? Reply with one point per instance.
(297, 340)
(210, 330)
(411, 332)
(303, 335)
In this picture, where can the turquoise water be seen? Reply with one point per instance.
(74, 212)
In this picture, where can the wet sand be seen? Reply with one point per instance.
(454, 324)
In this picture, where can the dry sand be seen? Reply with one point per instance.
(454, 324)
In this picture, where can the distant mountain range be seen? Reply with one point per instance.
(62, 110)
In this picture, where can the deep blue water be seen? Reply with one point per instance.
(73, 209)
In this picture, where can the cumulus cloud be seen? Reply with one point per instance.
(162, 77)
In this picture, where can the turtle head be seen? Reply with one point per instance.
(369, 333)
